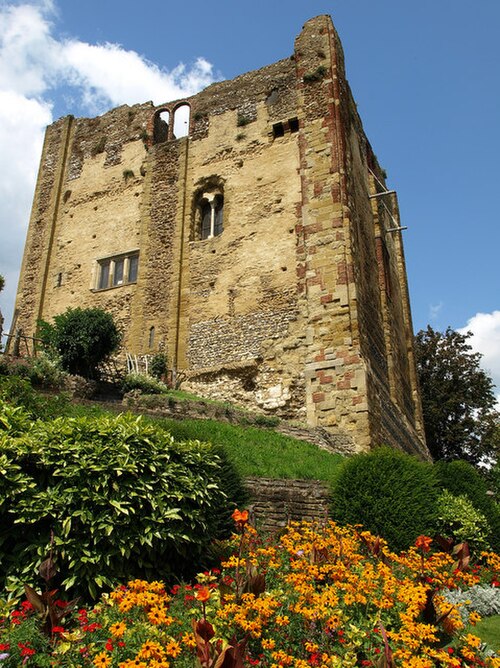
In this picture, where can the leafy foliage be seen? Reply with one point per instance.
(460, 477)
(457, 397)
(122, 498)
(458, 519)
(19, 392)
(143, 383)
(2, 283)
(392, 494)
(482, 599)
(312, 595)
(83, 339)
(159, 365)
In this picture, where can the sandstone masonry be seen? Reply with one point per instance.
(260, 251)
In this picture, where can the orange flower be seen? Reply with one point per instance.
(203, 594)
(423, 543)
(240, 517)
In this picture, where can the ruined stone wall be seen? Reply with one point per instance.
(300, 306)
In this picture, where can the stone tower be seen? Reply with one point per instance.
(261, 252)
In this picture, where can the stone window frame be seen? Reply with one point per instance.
(157, 133)
(212, 204)
(208, 209)
(117, 270)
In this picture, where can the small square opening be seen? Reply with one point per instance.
(293, 124)
(278, 130)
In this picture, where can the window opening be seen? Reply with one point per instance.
(219, 205)
(116, 271)
(211, 209)
(293, 124)
(59, 280)
(133, 265)
(206, 220)
(161, 123)
(181, 121)
(151, 339)
(278, 130)
(103, 274)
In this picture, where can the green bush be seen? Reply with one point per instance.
(392, 494)
(19, 392)
(158, 366)
(458, 519)
(460, 477)
(123, 499)
(82, 338)
(143, 383)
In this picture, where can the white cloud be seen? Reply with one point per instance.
(485, 328)
(35, 66)
(435, 310)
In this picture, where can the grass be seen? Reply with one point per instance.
(254, 452)
(488, 629)
(261, 452)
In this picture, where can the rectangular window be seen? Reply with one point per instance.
(103, 275)
(118, 273)
(133, 265)
(118, 270)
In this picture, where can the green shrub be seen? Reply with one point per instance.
(123, 499)
(460, 477)
(392, 494)
(458, 519)
(82, 338)
(158, 365)
(19, 392)
(143, 383)
(45, 371)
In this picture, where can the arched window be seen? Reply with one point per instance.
(209, 215)
(161, 123)
(219, 206)
(206, 219)
(181, 121)
(151, 340)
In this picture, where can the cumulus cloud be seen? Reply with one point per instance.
(485, 328)
(35, 67)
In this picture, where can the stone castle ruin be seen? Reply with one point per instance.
(261, 251)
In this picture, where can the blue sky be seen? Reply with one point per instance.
(424, 76)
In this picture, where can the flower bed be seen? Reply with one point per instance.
(325, 596)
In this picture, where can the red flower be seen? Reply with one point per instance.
(26, 650)
(57, 629)
(423, 543)
(4, 646)
(109, 645)
(203, 594)
(240, 517)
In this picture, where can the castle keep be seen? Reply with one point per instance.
(261, 251)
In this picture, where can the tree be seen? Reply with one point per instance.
(83, 339)
(457, 397)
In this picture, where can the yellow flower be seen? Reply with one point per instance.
(102, 660)
(118, 629)
(282, 620)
